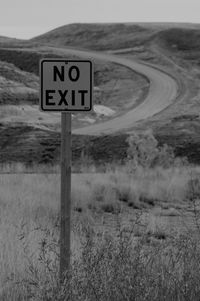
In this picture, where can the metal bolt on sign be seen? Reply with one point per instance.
(66, 86)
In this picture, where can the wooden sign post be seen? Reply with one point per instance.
(65, 193)
(65, 86)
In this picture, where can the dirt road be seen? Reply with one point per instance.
(162, 92)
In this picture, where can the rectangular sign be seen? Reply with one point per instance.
(66, 85)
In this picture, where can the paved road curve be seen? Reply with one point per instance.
(162, 92)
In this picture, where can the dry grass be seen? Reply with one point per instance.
(29, 238)
(21, 168)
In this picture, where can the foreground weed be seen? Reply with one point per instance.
(111, 268)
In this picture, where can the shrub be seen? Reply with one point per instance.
(103, 191)
(110, 208)
(143, 150)
(125, 193)
(193, 188)
(149, 200)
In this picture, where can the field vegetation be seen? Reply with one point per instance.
(135, 230)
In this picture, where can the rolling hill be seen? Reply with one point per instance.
(173, 48)
(97, 36)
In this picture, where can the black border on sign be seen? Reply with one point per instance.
(41, 84)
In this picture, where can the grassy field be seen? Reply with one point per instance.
(119, 222)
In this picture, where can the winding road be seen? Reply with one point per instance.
(162, 92)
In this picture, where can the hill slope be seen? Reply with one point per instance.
(172, 47)
(97, 36)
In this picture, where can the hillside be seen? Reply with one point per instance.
(7, 40)
(172, 47)
(97, 36)
(104, 36)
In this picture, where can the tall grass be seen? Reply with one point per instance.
(19, 167)
(112, 269)
(133, 261)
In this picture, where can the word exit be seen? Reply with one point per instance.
(66, 85)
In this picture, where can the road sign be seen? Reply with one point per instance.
(65, 85)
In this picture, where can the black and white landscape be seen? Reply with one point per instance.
(135, 166)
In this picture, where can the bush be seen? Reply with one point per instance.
(110, 208)
(193, 192)
(126, 194)
(143, 150)
(103, 191)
